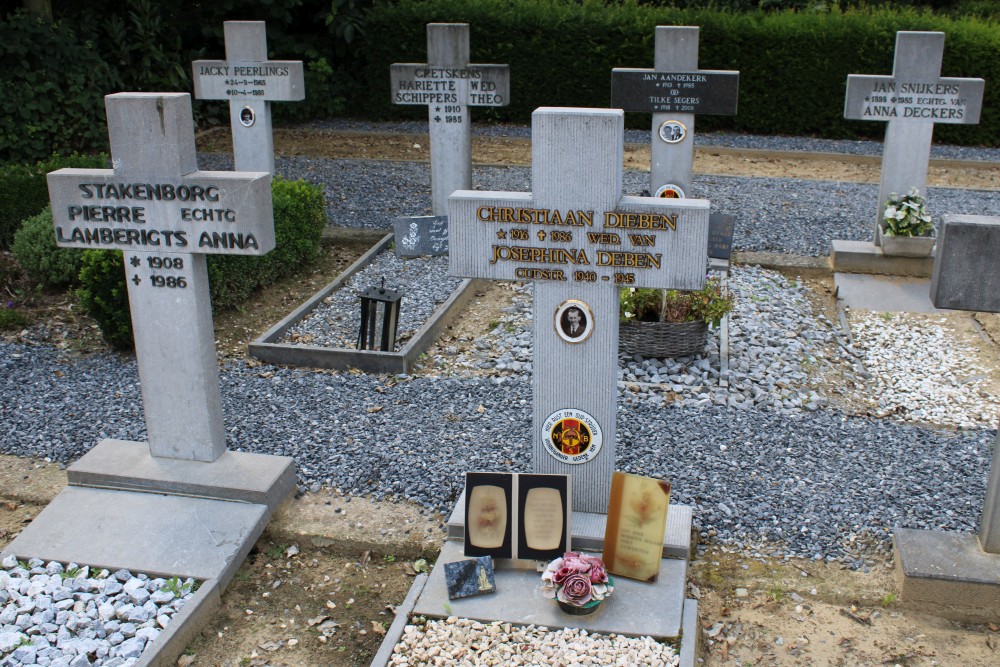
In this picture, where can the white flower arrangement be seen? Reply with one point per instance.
(907, 215)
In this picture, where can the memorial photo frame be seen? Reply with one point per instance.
(574, 321)
(520, 516)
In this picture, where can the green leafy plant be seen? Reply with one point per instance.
(104, 294)
(36, 251)
(178, 587)
(907, 215)
(11, 318)
(708, 304)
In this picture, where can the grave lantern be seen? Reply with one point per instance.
(379, 317)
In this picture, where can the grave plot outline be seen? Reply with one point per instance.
(576, 180)
(675, 57)
(448, 84)
(166, 215)
(912, 99)
(250, 82)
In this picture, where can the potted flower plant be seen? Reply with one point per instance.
(907, 229)
(670, 323)
(578, 582)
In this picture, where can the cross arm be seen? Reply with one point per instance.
(211, 212)
(950, 100)
(472, 85)
(269, 80)
(713, 92)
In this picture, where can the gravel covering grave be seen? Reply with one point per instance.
(53, 615)
(772, 469)
(464, 643)
(425, 284)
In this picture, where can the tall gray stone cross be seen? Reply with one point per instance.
(912, 100)
(579, 240)
(165, 216)
(448, 85)
(674, 91)
(250, 82)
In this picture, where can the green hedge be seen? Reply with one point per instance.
(36, 251)
(793, 66)
(299, 218)
(24, 191)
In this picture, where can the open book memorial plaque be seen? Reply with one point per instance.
(637, 521)
(517, 516)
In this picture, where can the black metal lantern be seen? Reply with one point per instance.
(379, 318)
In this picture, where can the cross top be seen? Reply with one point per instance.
(576, 220)
(155, 199)
(916, 92)
(578, 240)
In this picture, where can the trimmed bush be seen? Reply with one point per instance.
(24, 191)
(104, 294)
(299, 218)
(36, 251)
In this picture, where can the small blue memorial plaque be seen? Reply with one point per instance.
(466, 578)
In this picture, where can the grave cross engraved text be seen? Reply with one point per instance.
(448, 85)
(579, 240)
(674, 91)
(166, 216)
(912, 100)
(250, 82)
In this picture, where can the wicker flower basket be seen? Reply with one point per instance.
(662, 339)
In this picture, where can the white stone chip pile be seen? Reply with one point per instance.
(462, 642)
(53, 615)
(921, 373)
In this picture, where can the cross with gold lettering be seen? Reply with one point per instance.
(595, 242)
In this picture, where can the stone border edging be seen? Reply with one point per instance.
(182, 629)
(395, 631)
(266, 349)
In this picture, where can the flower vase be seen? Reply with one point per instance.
(906, 246)
(588, 608)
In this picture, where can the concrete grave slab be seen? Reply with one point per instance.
(894, 294)
(635, 608)
(865, 257)
(947, 574)
(144, 532)
(236, 476)
(965, 266)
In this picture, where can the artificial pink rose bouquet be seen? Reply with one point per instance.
(577, 579)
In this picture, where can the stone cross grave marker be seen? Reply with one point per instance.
(165, 216)
(912, 100)
(250, 82)
(674, 91)
(448, 85)
(579, 240)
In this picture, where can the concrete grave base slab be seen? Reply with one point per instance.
(144, 532)
(906, 294)
(866, 257)
(635, 608)
(237, 476)
(267, 349)
(588, 529)
(947, 574)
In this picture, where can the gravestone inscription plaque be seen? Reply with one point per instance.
(577, 239)
(421, 235)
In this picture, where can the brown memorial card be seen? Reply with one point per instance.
(637, 520)
(519, 516)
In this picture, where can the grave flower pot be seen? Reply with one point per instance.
(906, 246)
(662, 339)
(585, 610)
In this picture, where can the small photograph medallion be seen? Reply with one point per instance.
(673, 131)
(574, 321)
(247, 117)
(670, 191)
(572, 436)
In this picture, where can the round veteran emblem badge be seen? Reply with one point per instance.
(670, 191)
(572, 436)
